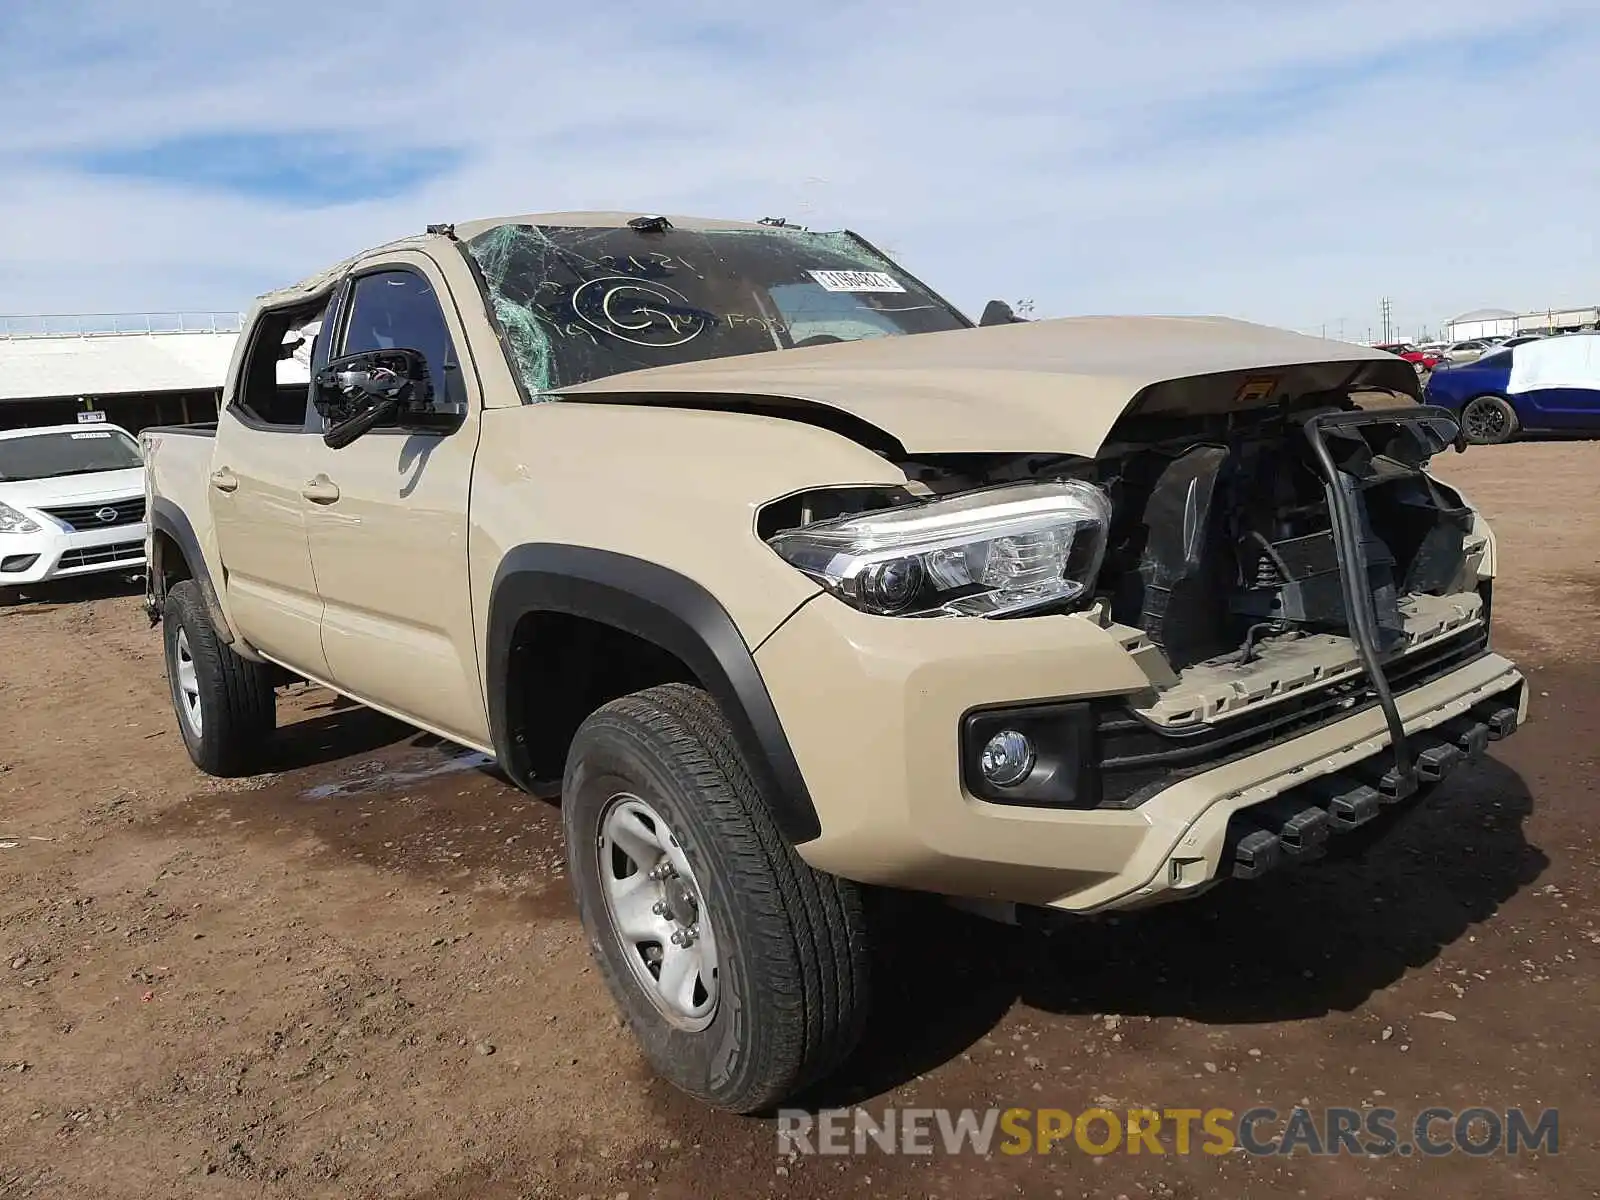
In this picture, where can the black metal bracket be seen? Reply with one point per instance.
(1346, 524)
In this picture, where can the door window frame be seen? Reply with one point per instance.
(236, 405)
(317, 423)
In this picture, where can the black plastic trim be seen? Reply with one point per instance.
(666, 609)
(1139, 759)
(166, 517)
(197, 429)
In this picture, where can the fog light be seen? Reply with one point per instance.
(1007, 758)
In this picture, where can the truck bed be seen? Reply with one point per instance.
(177, 472)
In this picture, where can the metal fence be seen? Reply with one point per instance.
(86, 325)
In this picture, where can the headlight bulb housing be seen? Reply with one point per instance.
(992, 552)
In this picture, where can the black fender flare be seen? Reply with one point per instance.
(168, 519)
(671, 611)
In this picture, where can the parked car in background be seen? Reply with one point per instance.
(1419, 357)
(71, 503)
(1522, 339)
(1464, 352)
(1543, 384)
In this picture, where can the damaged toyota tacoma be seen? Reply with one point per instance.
(793, 582)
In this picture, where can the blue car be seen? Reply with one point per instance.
(1548, 385)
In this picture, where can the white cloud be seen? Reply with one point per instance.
(1288, 163)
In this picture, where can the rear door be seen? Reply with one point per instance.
(258, 472)
(388, 528)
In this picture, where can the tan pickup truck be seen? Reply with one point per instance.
(793, 581)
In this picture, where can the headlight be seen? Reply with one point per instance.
(11, 521)
(987, 553)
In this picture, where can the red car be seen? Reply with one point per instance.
(1423, 360)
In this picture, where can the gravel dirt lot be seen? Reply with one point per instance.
(362, 976)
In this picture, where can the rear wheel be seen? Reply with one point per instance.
(1488, 420)
(742, 971)
(225, 704)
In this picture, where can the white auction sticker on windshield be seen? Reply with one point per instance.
(856, 281)
(78, 437)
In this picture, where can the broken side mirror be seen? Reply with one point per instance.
(360, 392)
(998, 312)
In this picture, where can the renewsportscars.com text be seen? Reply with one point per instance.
(1430, 1132)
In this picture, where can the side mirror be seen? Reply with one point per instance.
(359, 392)
(998, 312)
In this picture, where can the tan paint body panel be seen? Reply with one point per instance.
(1045, 386)
(881, 757)
(390, 557)
(178, 467)
(680, 489)
(260, 532)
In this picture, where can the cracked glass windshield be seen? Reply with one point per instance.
(579, 304)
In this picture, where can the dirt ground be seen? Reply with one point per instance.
(362, 976)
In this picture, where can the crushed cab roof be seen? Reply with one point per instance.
(323, 280)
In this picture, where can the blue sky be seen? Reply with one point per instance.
(1288, 163)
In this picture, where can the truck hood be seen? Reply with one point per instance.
(73, 489)
(1055, 386)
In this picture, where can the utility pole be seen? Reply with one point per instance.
(1386, 309)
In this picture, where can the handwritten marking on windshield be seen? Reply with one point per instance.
(645, 314)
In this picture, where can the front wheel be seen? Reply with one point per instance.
(742, 971)
(1488, 420)
(225, 704)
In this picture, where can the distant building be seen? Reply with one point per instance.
(1500, 322)
(140, 369)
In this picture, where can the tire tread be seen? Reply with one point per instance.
(806, 928)
(233, 737)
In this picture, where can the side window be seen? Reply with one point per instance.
(395, 310)
(275, 383)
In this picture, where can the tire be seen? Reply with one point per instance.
(784, 999)
(1488, 420)
(225, 705)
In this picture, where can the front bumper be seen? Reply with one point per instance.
(872, 707)
(31, 558)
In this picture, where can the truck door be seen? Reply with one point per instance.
(258, 471)
(388, 528)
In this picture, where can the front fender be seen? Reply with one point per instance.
(659, 606)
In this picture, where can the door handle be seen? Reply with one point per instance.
(224, 480)
(320, 490)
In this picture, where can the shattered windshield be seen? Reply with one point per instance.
(578, 304)
(78, 452)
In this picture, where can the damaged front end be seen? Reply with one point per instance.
(1271, 571)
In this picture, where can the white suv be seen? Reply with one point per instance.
(71, 503)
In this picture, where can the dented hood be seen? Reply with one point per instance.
(1054, 386)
